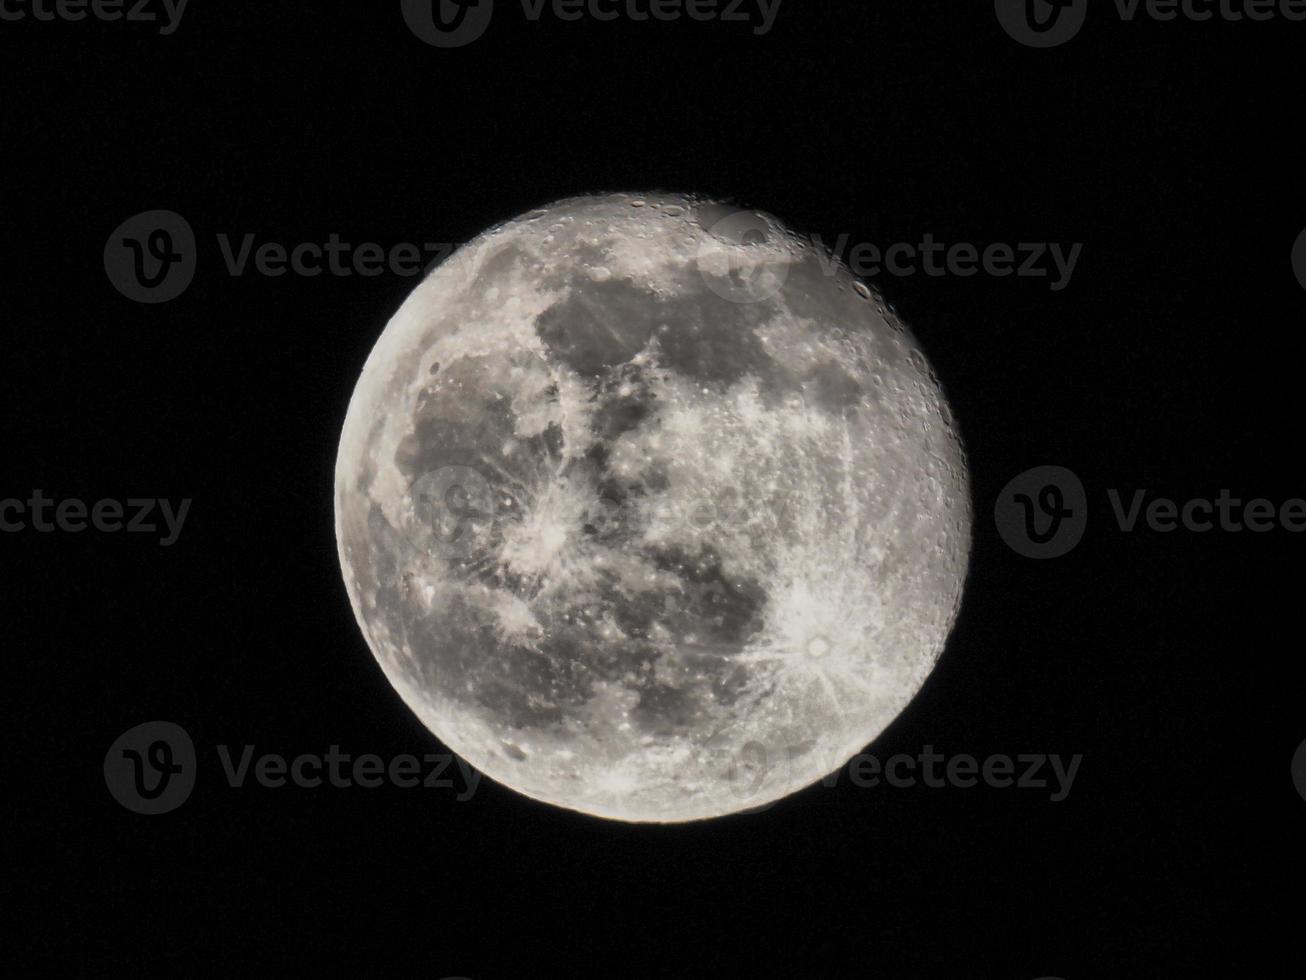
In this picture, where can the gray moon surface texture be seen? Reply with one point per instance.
(651, 510)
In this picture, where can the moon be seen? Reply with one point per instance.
(649, 509)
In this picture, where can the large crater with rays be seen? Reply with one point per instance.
(649, 509)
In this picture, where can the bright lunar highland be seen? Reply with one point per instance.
(649, 509)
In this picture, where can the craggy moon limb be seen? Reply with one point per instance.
(648, 509)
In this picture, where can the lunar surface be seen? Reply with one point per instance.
(649, 509)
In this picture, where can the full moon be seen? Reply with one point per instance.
(649, 509)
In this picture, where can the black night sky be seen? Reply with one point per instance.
(1167, 362)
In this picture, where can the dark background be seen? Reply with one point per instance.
(1170, 363)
